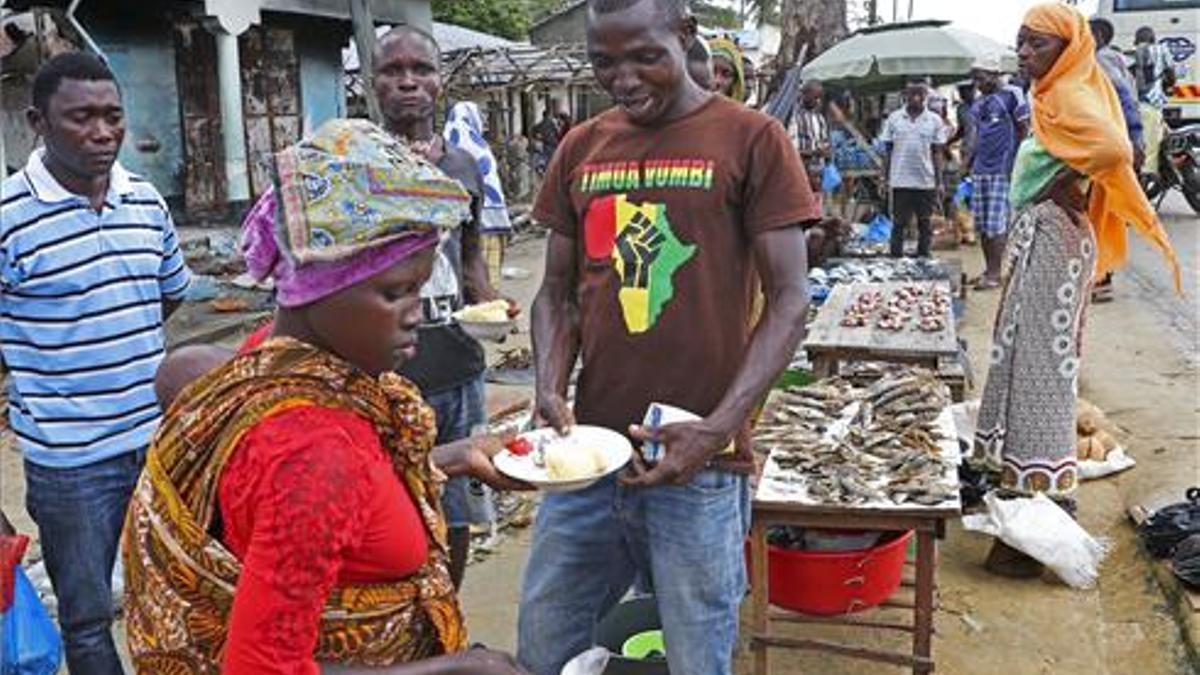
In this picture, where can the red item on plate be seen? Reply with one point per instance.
(519, 447)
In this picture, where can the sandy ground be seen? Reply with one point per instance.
(1140, 366)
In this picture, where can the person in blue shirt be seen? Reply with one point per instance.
(90, 269)
(998, 121)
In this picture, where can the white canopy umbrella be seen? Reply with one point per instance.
(883, 56)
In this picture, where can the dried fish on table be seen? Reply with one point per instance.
(888, 452)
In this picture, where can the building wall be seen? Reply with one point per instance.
(142, 55)
(322, 91)
(568, 27)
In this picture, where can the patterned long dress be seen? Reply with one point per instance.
(1025, 434)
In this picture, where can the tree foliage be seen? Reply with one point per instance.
(507, 18)
(764, 11)
(715, 16)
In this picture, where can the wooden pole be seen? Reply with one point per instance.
(364, 41)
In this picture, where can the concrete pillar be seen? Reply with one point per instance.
(233, 127)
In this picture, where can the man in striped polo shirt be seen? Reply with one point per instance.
(90, 269)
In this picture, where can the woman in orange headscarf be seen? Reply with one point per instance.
(1073, 190)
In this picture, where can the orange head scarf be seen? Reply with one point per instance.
(1077, 118)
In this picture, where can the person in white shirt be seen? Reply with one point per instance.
(914, 140)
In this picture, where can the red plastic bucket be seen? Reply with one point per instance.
(827, 583)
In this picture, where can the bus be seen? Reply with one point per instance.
(1176, 24)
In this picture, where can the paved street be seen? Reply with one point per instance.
(1149, 280)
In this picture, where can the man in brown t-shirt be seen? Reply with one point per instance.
(660, 211)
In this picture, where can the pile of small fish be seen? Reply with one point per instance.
(848, 271)
(888, 452)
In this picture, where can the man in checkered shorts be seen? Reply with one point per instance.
(1000, 116)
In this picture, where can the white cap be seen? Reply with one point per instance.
(988, 62)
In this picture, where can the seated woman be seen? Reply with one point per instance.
(288, 515)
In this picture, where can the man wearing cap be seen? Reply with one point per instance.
(999, 120)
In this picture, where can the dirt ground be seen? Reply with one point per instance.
(987, 625)
(984, 624)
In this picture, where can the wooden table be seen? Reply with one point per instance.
(829, 342)
(927, 522)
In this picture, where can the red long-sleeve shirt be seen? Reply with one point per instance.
(308, 501)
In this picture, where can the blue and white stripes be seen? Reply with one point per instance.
(81, 323)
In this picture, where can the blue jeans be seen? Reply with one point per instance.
(79, 513)
(589, 547)
(459, 410)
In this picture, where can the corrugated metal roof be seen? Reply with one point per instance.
(516, 65)
(450, 38)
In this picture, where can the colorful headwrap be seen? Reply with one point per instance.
(1077, 118)
(726, 49)
(464, 130)
(350, 202)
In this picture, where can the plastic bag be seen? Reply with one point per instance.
(1040, 529)
(1186, 561)
(878, 230)
(1168, 526)
(962, 194)
(1116, 462)
(591, 662)
(831, 178)
(31, 644)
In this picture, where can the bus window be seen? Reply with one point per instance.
(1142, 5)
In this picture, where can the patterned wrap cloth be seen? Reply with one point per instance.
(181, 580)
(727, 49)
(352, 201)
(464, 130)
(1025, 434)
(349, 202)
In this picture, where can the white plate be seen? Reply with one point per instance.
(616, 448)
(490, 331)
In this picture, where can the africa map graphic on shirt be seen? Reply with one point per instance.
(645, 252)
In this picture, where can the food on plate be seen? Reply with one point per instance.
(567, 461)
(495, 311)
(519, 447)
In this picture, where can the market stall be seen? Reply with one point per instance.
(891, 322)
(870, 67)
(881, 459)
